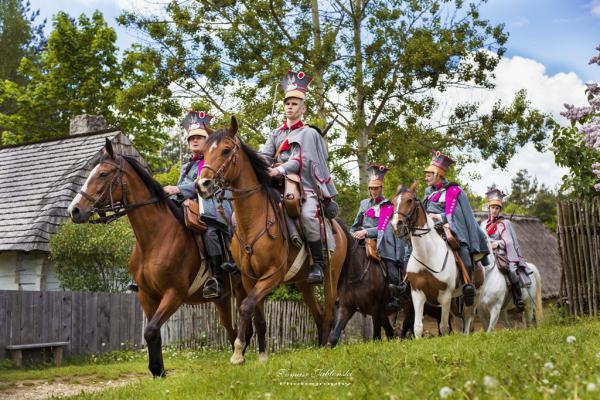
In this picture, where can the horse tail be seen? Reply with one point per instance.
(539, 309)
(350, 243)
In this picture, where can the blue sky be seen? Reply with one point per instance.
(550, 44)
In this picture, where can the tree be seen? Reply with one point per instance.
(523, 189)
(93, 258)
(376, 65)
(79, 72)
(578, 145)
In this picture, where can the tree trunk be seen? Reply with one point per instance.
(318, 62)
(360, 125)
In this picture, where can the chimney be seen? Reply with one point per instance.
(87, 123)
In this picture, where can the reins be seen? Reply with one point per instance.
(118, 208)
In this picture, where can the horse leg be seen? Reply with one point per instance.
(342, 316)
(247, 309)
(377, 326)
(260, 325)
(240, 295)
(308, 294)
(494, 315)
(418, 299)
(170, 302)
(388, 328)
(224, 311)
(409, 319)
(445, 303)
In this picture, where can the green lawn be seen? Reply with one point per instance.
(521, 364)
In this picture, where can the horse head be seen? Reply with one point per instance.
(221, 165)
(101, 189)
(406, 206)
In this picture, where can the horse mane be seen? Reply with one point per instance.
(258, 162)
(155, 188)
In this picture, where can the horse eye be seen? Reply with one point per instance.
(225, 152)
(103, 174)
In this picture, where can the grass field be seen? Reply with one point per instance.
(553, 361)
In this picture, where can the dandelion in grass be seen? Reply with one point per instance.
(591, 387)
(490, 382)
(571, 339)
(549, 366)
(445, 392)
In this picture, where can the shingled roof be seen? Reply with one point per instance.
(39, 180)
(540, 247)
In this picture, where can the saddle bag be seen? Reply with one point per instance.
(292, 195)
(371, 248)
(191, 216)
(502, 261)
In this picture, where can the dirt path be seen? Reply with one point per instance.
(41, 390)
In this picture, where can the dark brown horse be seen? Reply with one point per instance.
(165, 261)
(260, 246)
(363, 288)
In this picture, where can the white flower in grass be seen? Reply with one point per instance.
(555, 373)
(103, 344)
(490, 382)
(549, 365)
(571, 339)
(591, 387)
(445, 392)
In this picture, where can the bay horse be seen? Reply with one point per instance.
(165, 261)
(363, 288)
(260, 246)
(432, 270)
(496, 299)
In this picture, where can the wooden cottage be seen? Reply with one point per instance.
(37, 183)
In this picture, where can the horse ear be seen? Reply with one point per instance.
(413, 187)
(109, 149)
(208, 130)
(233, 128)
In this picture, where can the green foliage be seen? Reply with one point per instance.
(92, 257)
(523, 189)
(171, 177)
(571, 151)
(286, 293)
(79, 72)
(376, 65)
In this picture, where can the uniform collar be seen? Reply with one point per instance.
(297, 125)
(196, 157)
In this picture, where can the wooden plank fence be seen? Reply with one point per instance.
(92, 322)
(289, 324)
(95, 323)
(579, 246)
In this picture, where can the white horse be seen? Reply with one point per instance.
(431, 270)
(496, 298)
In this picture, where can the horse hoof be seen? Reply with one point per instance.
(236, 360)
(263, 357)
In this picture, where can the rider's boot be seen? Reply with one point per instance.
(315, 276)
(515, 288)
(213, 288)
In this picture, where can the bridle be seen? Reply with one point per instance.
(221, 184)
(118, 208)
(410, 221)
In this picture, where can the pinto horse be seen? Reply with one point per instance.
(432, 270)
(260, 246)
(165, 261)
(496, 298)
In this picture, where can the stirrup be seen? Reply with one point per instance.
(212, 289)
(315, 276)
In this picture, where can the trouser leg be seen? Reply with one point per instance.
(393, 273)
(214, 286)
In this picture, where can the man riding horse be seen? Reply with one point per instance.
(447, 203)
(297, 148)
(372, 222)
(195, 125)
(504, 242)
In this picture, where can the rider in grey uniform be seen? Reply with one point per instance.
(372, 222)
(504, 242)
(296, 148)
(447, 203)
(218, 232)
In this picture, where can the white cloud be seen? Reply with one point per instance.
(547, 93)
(595, 7)
(146, 7)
